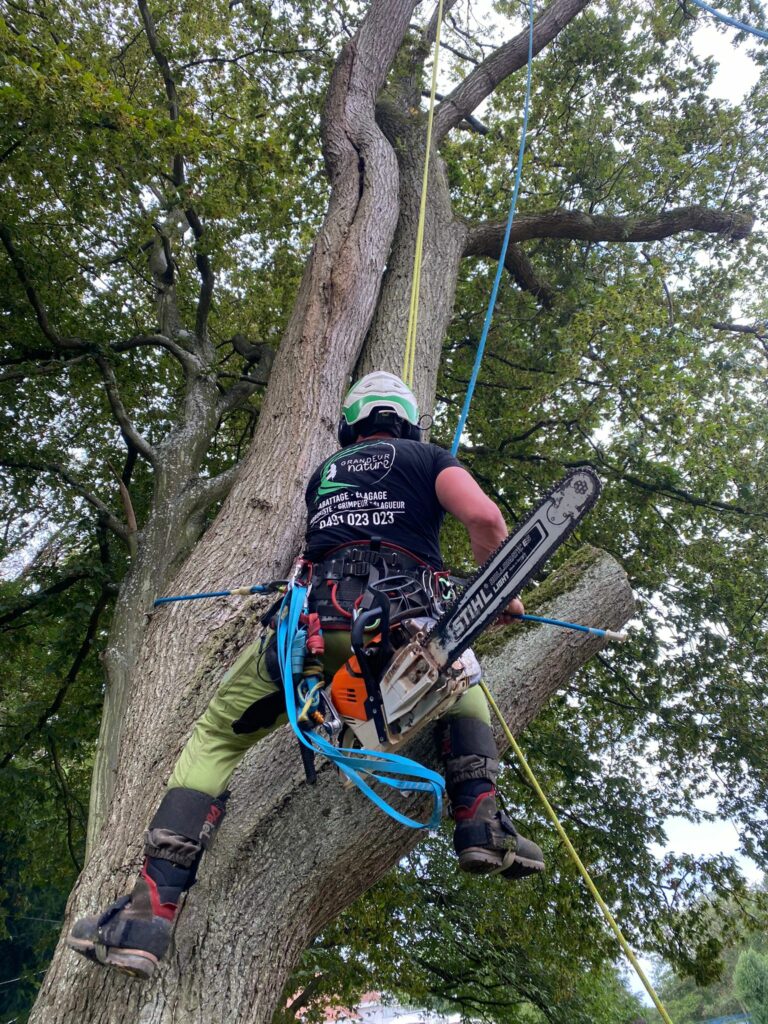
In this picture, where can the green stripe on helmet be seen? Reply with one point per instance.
(353, 412)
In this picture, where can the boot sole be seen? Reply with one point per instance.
(136, 963)
(478, 861)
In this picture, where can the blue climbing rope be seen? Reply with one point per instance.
(257, 588)
(391, 770)
(733, 22)
(503, 253)
(607, 634)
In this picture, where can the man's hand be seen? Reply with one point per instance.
(513, 609)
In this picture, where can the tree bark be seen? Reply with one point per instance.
(290, 856)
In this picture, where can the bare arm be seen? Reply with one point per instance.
(460, 495)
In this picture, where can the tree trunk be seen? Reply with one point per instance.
(290, 856)
(260, 526)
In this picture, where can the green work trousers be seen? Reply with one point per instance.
(213, 751)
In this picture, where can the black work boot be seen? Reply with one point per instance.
(488, 843)
(133, 933)
(485, 839)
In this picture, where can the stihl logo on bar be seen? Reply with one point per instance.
(491, 593)
(508, 570)
(469, 615)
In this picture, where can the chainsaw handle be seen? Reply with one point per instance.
(368, 617)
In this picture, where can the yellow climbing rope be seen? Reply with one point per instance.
(528, 772)
(413, 315)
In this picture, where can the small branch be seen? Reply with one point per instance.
(55, 468)
(70, 677)
(10, 150)
(186, 359)
(121, 415)
(303, 998)
(201, 259)
(67, 795)
(297, 51)
(130, 515)
(759, 331)
(170, 85)
(678, 494)
(48, 369)
(469, 120)
(40, 596)
(668, 294)
(35, 301)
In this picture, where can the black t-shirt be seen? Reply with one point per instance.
(382, 487)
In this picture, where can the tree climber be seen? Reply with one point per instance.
(374, 510)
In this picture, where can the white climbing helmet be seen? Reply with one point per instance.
(377, 391)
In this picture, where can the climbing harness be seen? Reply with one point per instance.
(356, 764)
(447, 589)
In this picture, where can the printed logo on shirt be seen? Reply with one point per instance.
(336, 473)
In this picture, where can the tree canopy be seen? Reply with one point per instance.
(164, 176)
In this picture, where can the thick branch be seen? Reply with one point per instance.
(510, 57)
(209, 492)
(121, 414)
(430, 31)
(486, 239)
(526, 276)
(360, 73)
(471, 122)
(187, 360)
(239, 393)
(205, 270)
(254, 377)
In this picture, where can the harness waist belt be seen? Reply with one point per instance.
(357, 559)
(342, 577)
